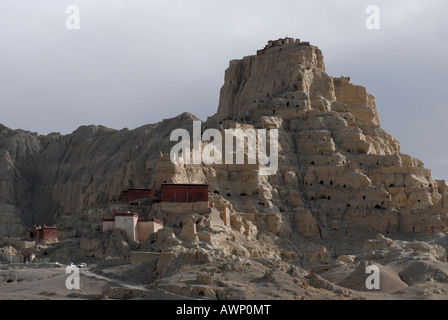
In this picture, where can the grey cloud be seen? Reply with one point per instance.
(135, 62)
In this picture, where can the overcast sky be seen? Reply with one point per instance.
(134, 62)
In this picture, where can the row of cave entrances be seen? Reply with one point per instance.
(348, 206)
(363, 197)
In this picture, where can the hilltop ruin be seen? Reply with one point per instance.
(343, 195)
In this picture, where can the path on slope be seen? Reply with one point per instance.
(152, 291)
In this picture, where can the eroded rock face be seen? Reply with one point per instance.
(18, 151)
(334, 158)
(44, 177)
(341, 198)
(250, 81)
(338, 169)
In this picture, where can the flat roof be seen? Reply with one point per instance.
(150, 220)
(41, 228)
(126, 214)
(137, 189)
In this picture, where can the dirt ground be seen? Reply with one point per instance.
(45, 282)
(250, 281)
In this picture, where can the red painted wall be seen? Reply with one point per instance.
(184, 193)
(46, 234)
(134, 194)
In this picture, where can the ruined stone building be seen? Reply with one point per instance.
(184, 193)
(173, 197)
(43, 234)
(138, 229)
(136, 195)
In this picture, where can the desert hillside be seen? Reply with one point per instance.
(343, 197)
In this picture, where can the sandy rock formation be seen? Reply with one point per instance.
(335, 161)
(341, 180)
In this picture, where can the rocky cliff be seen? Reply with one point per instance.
(338, 169)
(307, 231)
(44, 177)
